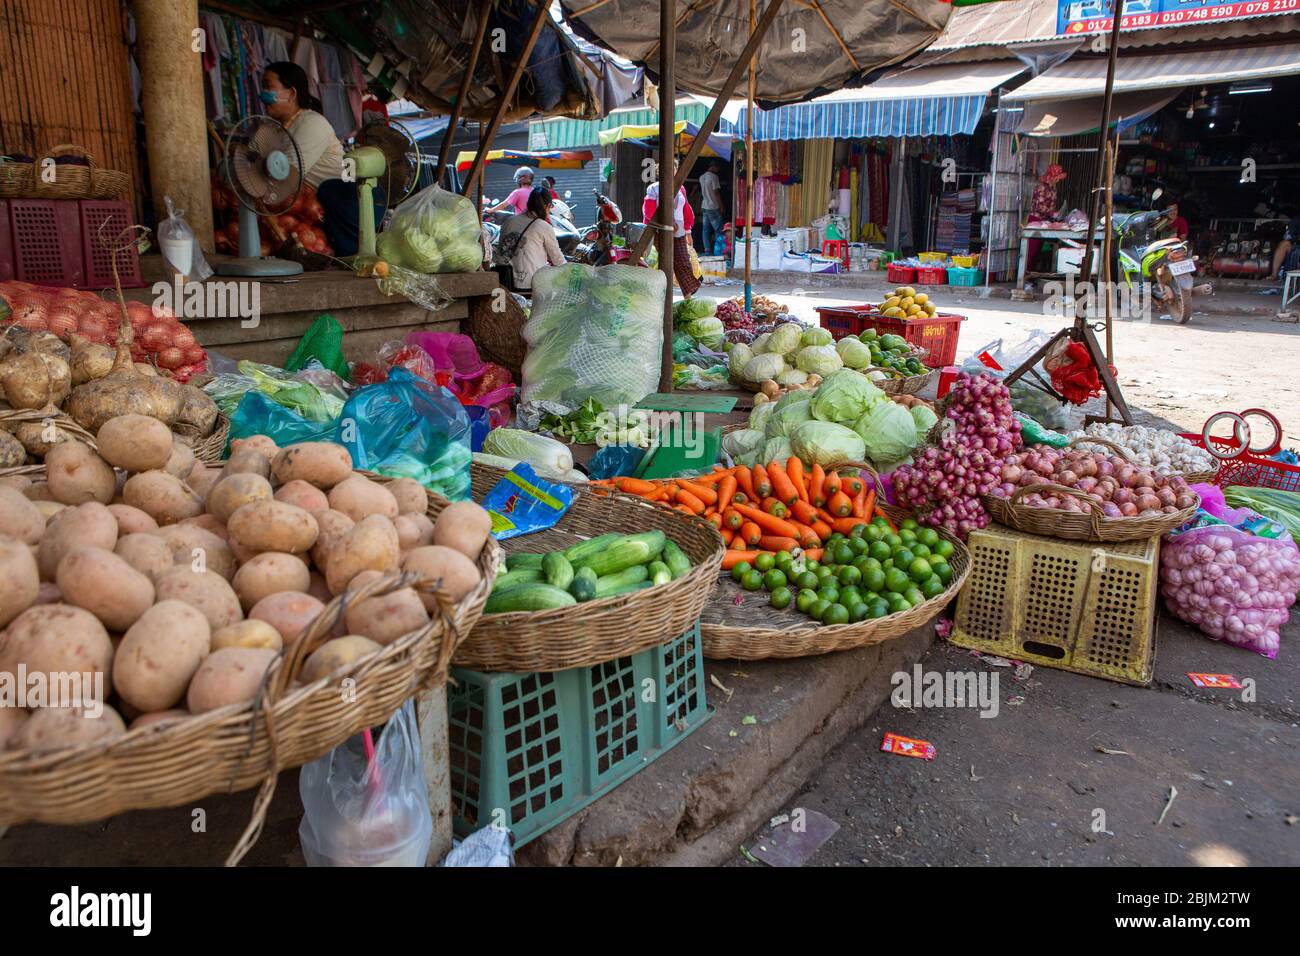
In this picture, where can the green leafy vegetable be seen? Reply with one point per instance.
(825, 443)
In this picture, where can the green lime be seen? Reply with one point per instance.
(932, 587)
(858, 533)
(903, 558)
(910, 524)
(836, 614)
(805, 600)
(817, 609)
(878, 608)
(872, 564)
(859, 545)
(850, 595)
(894, 541)
(825, 573)
(874, 532)
(765, 561)
(913, 596)
(879, 550)
(808, 580)
(775, 579)
(928, 537)
(919, 570)
(752, 581)
(874, 580)
(918, 549)
(897, 603)
(738, 570)
(858, 612)
(942, 570)
(850, 575)
(942, 548)
(907, 536)
(844, 554)
(780, 598)
(812, 564)
(835, 539)
(784, 560)
(895, 581)
(829, 592)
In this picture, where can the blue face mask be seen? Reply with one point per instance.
(269, 97)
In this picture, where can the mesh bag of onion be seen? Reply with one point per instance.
(1234, 586)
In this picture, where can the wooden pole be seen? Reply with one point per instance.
(749, 173)
(543, 14)
(1103, 137)
(458, 107)
(1112, 148)
(176, 128)
(667, 175)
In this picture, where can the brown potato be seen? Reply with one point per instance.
(162, 496)
(19, 483)
(289, 612)
(413, 531)
(12, 720)
(135, 443)
(205, 590)
(305, 496)
(249, 633)
(273, 526)
(464, 526)
(105, 585)
(57, 639)
(49, 509)
(147, 553)
(358, 497)
(385, 618)
(132, 521)
(159, 717)
(319, 589)
(233, 492)
(332, 525)
(456, 573)
(77, 475)
(199, 550)
(270, 573)
(19, 517)
(262, 444)
(13, 452)
(181, 461)
(35, 379)
(159, 655)
(336, 653)
(209, 524)
(20, 582)
(318, 463)
(232, 675)
(371, 545)
(90, 525)
(246, 461)
(39, 491)
(53, 728)
(201, 479)
(412, 498)
(49, 593)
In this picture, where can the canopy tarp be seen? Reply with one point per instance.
(549, 159)
(648, 136)
(810, 49)
(1071, 117)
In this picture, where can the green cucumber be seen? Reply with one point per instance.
(583, 586)
(527, 597)
(676, 559)
(587, 549)
(659, 573)
(517, 577)
(558, 570)
(632, 550)
(621, 581)
(523, 560)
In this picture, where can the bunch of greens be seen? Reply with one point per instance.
(580, 426)
(435, 231)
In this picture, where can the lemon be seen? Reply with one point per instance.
(929, 308)
(892, 301)
(913, 310)
(905, 302)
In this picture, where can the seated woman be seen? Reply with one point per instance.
(528, 240)
(288, 100)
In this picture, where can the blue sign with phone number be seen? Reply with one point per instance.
(1093, 16)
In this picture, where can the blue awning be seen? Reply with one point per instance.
(935, 100)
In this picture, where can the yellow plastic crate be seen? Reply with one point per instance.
(1077, 606)
(965, 262)
(936, 257)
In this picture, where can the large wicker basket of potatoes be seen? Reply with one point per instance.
(224, 623)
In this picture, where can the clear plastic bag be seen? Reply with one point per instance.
(363, 812)
(179, 248)
(434, 231)
(999, 360)
(593, 333)
(298, 391)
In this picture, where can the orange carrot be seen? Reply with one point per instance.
(859, 501)
(826, 516)
(659, 494)
(817, 491)
(726, 490)
(822, 528)
(769, 523)
(840, 505)
(889, 521)
(745, 480)
(732, 520)
(710, 480)
(774, 542)
(869, 506)
(774, 507)
(851, 484)
(804, 512)
(808, 538)
(782, 486)
(727, 535)
(846, 525)
(814, 554)
(831, 485)
(635, 486)
(707, 495)
(690, 501)
(762, 483)
(733, 558)
(684, 509)
(715, 519)
(794, 468)
(750, 533)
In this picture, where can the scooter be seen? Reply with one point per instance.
(597, 247)
(566, 233)
(1168, 264)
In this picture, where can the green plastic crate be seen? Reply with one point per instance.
(528, 751)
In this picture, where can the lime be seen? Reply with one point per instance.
(850, 595)
(738, 570)
(871, 564)
(805, 600)
(818, 608)
(919, 570)
(859, 545)
(849, 575)
(895, 581)
(918, 549)
(897, 603)
(844, 554)
(894, 541)
(928, 537)
(942, 548)
(874, 580)
(835, 539)
(942, 570)
(825, 573)
(874, 532)
(879, 550)
(812, 564)
(808, 580)
(907, 536)
(775, 579)
(858, 612)
(913, 596)
(829, 592)
(780, 598)
(752, 580)
(859, 530)
(878, 608)
(932, 587)
(784, 560)
(903, 558)
(910, 524)
(836, 614)
(765, 561)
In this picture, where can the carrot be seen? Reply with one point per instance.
(817, 493)
(822, 528)
(794, 467)
(683, 509)
(869, 506)
(707, 495)
(769, 523)
(814, 554)
(831, 485)
(732, 520)
(808, 538)
(892, 527)
(727, 536)
(690, 501)
(726, 490)
(775, 542)
(745, 480)
(762, 483)
(846, 525)
(715, 519)
(782, 486)
(659, 494)
(840, 505)
(750, 533)
(733, 558)
(740, 498)
(774, 507)
(635, 486)
(859, 501)
(852, 484)
(804, 512)
(708, 481)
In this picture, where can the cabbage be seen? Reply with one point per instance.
(762, 367)
(785, 339)
(738, 357)
(825, 443)
(761, 413)
(853, 352)
(777, 449)
(739, 444)
(688, 310)
(791, 398)
(845, 397)
(785, 420)
(708, 332)
(889, 432)
(759, 344)
(925, 419)
(821, 359)
(792, 376)
(816, 336)
(538, 450)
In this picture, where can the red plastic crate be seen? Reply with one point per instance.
(6, 244)
(1250, 470)
(900, 273)
(844, 320)
(936, 335)
(931, 275)
(46, 235)
(98, 259)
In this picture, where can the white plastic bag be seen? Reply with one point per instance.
(435, 231)
(179, 248)
(1025, 398)
(361, 814)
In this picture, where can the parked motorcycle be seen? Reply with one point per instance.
(1168, 264)
(597, 247)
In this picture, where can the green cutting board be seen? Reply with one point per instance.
(705, 404)
(670, 455)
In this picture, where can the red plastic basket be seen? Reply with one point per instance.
(936, 335)
(46, 235)
(931, 275)
(1250, 470)
(114, 216)
(900, 273)
(844, 320)
(6, 244)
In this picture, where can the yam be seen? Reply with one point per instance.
(89, 360)
(334, 654)
(289, 612)
(77, 475)
(248, 633)
(233, 492)
(322, 464)
(12, 452)
(387, 617)
(146, 553)
(132, 520)
(198, 411)
(371, 545)
(358, 497)
(207, 591)
(53, 728)
(270, 573)
(412, 498)
(305, 496)
(19, 517)
(159, 655)
(463, 525)
(105, 585)
(34, 379)
(456, 574)
(124, 391)
(90, 525)
(232, 675)
(135, 443)
(20, 582)
(273, 526)
(162, 496)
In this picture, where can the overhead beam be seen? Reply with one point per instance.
(458, 108)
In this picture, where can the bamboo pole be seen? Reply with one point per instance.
(1085, 269)
(667, 175)
(458, 108)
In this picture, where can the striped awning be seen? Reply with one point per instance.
(934, 100)
(1076, 78)
(568, 133)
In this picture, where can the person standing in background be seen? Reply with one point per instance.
(711, 205)
(683, 220)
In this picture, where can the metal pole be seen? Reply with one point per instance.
(458, 108)
(749, 173)
(1103, 134)
(993, 192)
(667, 194)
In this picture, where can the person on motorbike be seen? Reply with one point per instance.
(529, 239)
(517, 201)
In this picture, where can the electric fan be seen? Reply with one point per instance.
(264, 168)
(389, 151)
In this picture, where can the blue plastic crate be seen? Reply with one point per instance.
(960, 276)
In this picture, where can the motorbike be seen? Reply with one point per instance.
(598, 247)
(1168, 264)
(567, 235)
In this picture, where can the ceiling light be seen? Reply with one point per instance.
(1239, 88)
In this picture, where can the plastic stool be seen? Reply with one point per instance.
(1290, 288)
(836, 249)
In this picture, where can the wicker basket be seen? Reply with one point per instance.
(498, 335)
(725, 637)
(1191, 477)
(1075, 526)
(10, 417)
(243, 745)
(212, 448)
(24, 181)
(895, 384)
(591, 633)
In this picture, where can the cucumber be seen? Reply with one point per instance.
(522, 560)
(527, 597)
(632, 550)
(515, 578)
(621, 581)
(676, 559)
(583, 586)
(586, 549)
(659, 573)
(557, 570)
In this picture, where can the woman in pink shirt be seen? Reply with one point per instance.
(517, 201)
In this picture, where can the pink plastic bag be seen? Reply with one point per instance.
(452, 353)
(1235, 587)
(466, 375)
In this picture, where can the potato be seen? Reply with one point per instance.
(90, 525)
(209, 524)
(49, 593)
(456, 574)
(246, 462)
(207, 591)
(90, 360)
(464, 526)
(12, 451)
(49, 509)
(135, 443)
(77, 475)
(413, 531)
(162, 496)
(20, 581)
(248, 633)
(231, 493)
(270, 573)
(358, 497)
(332, 655)
(232, 675)
(181, 461)
(332, 525)
(198, 550)
(19, 517)
(35, 379)
(371, 545)
(385, 618)
(159, 655)
(147, 553)
(289, 612)
(105, 585)
(12, 720)
(319, 589)
(262, 444)
(273, 526)
(39, 439)
(305, 496)
(19, 483)
(53, 728)
(132, 521)
(322, 464)
(57, 639)
(39, 491)
(158, 717)
(412, 499)
(202, 479)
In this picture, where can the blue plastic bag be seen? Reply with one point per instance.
(522, 503)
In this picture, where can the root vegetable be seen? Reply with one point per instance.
(232, 675)
(270, 572)
(457, 575)
(54, 728)
(89, 525)
(412, 498)
(162, 496)
(335, 654)
(289, 612)
(322, 464)
(160, 654)
(22, 582)
(248, 633)
(147, 553)
(206, 591)
(135, 443)
(19, 518)
(465, 526)
(77, 475)
(34, 379)
(388, 617)
(123, 391)
(104, 584)
(273, 526)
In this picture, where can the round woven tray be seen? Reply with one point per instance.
(1191, 477)
(244, 745)
(593, 632)
(211, 449)
(753, 630)
(24, 180)
(1074, 526)
(11, 417)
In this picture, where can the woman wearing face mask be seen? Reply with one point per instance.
(288, 100)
